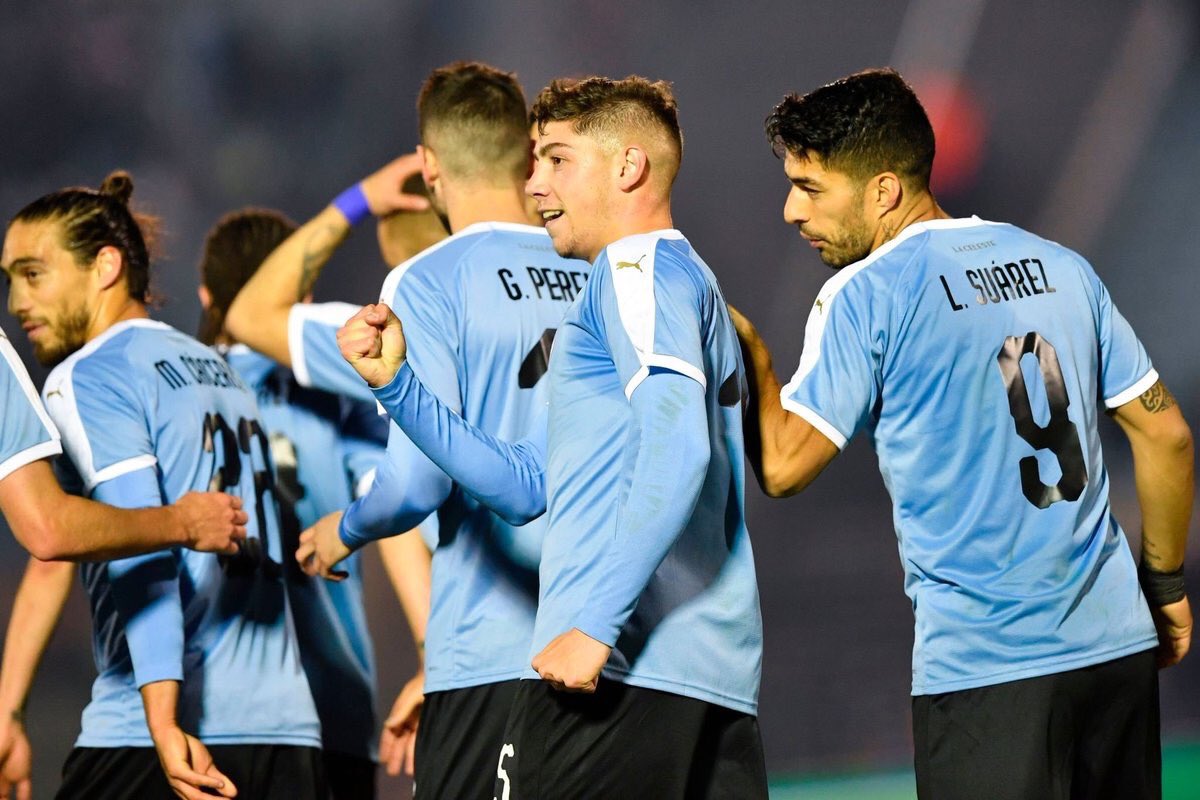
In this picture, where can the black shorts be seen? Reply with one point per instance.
(1088, 733)
(626, 741)
(260, 771)
(349, 777)
(460, 734)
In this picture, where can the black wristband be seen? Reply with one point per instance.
(1161, 588)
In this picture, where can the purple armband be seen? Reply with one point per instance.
(353, 204)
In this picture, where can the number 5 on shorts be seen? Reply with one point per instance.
(501, 774)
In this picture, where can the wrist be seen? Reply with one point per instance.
(180, 536)
(353, 204)
(1161, 588)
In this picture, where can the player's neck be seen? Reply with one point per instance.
(109, 312)
(645, 217)
(469, 204)
(921, 209)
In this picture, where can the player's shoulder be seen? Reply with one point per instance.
(658, 257)
(442, 262)
(110, 358)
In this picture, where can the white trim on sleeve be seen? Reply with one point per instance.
(121, 468)
(23, 380)
(28, 456)
(329, 314)
(823, 426)
(1138, 388)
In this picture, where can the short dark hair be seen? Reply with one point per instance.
(599, 105)
(233, 251)
(92, 219)
(473, 116)
(863, 124)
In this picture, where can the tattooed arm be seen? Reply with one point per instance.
(258, 316)
(1163, 471)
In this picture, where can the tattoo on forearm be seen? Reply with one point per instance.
(317, 251)
(1157, 398)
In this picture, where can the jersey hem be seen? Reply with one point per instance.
(473, 681)
(28, 456)
(1037, 670)
(1138, 388)
(822, 425)
(673, 687)
(217, 738)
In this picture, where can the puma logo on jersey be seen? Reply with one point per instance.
(53, 392)
(820, 304)
(632, 264)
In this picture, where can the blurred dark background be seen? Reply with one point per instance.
(1079, 121)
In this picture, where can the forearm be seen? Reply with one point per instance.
(507, 478)
(407, 562)
(258, 316)
(407, 488)
(160, 700)
(668, 476)
(1163, 473)
(36, 609)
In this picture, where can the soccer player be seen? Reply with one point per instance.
(977, 356)
(196, 653)
(484, 305)
(646, 575)
(54, 525)
(325, 448)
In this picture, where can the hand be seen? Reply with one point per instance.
(1174, 623)
(188, 766)
(372, 341)
(398, 742)
(385, 188)
(16, 762)
(321, 549)
(214, 521)
(572, 662)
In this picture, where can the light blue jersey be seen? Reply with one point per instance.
(480, 310)
(317, 362)
(148, 414)
(26, 432)
(323, 446)
(651, 304)
(976, 355)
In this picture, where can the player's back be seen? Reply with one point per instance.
(145, 395)
(322, 446)
(480, 310)
(990, 351)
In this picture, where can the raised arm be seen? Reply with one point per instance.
(36, 610)
(1162, 447)
(785, 451)
(508, 478)
(54, 525)
(259, 314)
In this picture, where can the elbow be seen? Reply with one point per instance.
(525, 513)
(774, 481)
(237, 318)
(44, 543)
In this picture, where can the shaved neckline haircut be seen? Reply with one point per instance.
(473, 117)
(606, 109)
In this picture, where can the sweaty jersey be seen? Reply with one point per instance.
(480, 310)
(317, 362)
(323, 446)
(26, 431)
(652, 304)
(148, 414)
(976, 355)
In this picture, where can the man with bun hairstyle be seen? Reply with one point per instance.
(979, 357)
(648, 639)
(196, 653)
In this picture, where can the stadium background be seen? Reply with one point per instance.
(1078, 120)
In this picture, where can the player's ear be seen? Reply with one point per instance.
(110, 265)
(430, 171)
(884, 193)
(205, 297)
(632, 167)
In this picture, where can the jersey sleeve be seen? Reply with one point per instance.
(654, 315)
(1125, 368)
(104, 428)
(312, 342)
(26, 430)
(838, 380)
